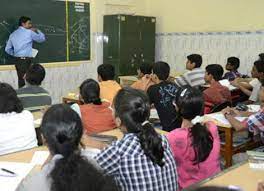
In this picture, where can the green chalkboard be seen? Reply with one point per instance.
(65, 24)
(79, 27)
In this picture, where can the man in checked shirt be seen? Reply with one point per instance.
(254, 122)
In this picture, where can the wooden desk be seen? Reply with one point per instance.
(71, 99)
(22, 156)
(26, 156)
(119, 134)
(240, 175)
(227, 149)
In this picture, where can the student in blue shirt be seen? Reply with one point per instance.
(19, 46)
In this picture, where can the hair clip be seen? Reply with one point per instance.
(183, 92)
(145, 122)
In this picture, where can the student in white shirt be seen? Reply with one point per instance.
(195, 76)
(258, 73)
(17, 130)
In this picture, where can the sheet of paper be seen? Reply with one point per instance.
(38, 122)
(40, 157)
(219, 117)
(198, 119)
(231, 88)
(253, 108)
(227, 84)
(224, 83)
(21, 170)
(154, 114)
(34, 52)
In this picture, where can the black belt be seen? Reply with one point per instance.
(23, 58)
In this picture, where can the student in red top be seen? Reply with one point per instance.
(216, 93)
(96, 114)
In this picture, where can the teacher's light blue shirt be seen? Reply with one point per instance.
(21, 40)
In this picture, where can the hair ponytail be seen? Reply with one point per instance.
(76, 173)
(151, 143)
(133, 108)
(65, 169)
(202, 142)
(62, 129)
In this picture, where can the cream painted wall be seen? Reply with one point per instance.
(206, 15)
(99, 8)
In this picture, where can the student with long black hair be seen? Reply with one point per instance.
(142, 159)
(68, 168)
(195, 146)
(95, 113)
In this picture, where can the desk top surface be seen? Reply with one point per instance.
(26, 156)
(240, 175)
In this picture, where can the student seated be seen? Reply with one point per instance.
(108, 86)
(216, 93)
(142, 159)
(17, 131)
(257, 72)
(67, 168)
(96, 114)
(261, 56)
(33, 96)
(144, 77)
(195, 76)
(196, 147)
(232, 66)
(162, 95)
(255, 121)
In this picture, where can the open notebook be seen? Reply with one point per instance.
(220, 118)
(227, 84)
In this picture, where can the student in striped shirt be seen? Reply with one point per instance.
(33, 96)
(195, 76)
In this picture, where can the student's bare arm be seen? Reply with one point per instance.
(243, 89)
(237, 125)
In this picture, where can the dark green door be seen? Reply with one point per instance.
(147, 39)
(129, 43)
(111, 39)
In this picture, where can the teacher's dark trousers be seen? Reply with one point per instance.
(22, 64)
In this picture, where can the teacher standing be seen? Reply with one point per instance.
(19, 46)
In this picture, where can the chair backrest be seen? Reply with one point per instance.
(221, 106)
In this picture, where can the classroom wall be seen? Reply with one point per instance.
(173, 18)
(206, 15)
(216, 29)
(62, 80)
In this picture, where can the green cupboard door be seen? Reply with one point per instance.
(129, 45)
(111, 41)
(147, 39)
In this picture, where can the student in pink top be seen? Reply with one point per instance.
(196, 147)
